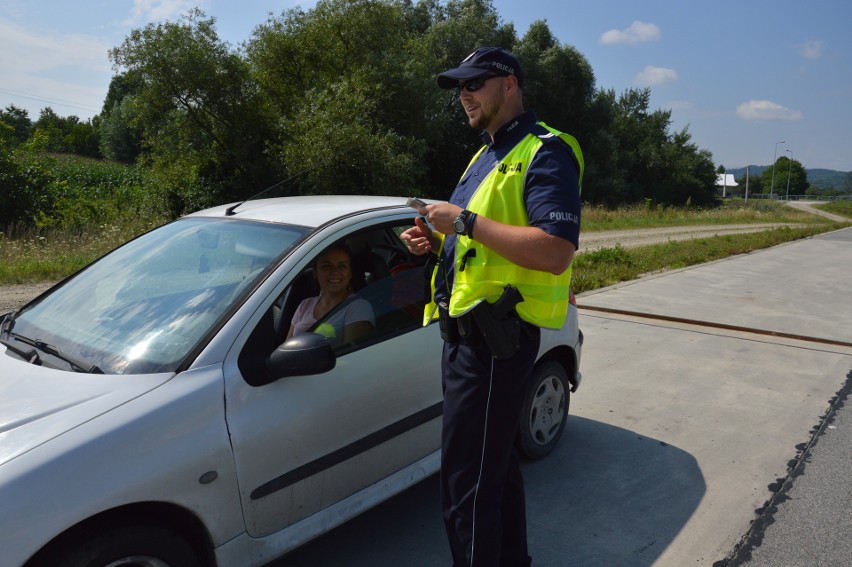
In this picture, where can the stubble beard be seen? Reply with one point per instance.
(488, 110)
(482, 121)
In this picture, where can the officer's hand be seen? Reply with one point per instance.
(441, 216)
(418, 238)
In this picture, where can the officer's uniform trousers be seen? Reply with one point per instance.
(482, 490)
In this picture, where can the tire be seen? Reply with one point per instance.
(131, 546)
(545, 410)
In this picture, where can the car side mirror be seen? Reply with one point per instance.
(302, 355)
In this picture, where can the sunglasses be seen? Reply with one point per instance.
(474, 85)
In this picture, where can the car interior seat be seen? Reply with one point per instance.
(372, 280)
(304, 286)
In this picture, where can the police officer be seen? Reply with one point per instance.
(511, 225)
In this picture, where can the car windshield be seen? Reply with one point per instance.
(145, 306)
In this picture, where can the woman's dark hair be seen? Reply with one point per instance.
(336, 246)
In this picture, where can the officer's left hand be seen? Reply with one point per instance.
(419, 239)
(441, 216)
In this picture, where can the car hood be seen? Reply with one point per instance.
(38, 404)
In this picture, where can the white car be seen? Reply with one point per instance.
(152, 413)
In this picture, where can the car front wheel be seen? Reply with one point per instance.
(545, 410)
(137, 546)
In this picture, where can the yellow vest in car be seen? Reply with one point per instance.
(482, 274)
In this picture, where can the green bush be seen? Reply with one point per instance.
(87, 192)
(611, 256)
(23, 187)
(41, 190)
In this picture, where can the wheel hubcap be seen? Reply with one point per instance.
(548, 410)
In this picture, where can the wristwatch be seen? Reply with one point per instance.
(460, 224)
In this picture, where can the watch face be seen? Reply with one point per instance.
(458, 225)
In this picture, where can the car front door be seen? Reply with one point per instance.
(304, 443)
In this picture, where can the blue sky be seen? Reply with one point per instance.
(742, 75)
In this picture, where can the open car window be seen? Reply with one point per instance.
(385, 276)
(386, 279)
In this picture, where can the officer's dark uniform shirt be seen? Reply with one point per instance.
(551, 190)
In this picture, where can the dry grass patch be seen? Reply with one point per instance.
(730, 212)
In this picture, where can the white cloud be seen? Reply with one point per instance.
(811, 49)
(638, 32)
(66, 71)
(26, 50)
(766, 110)
(145, 11)
(679, 105)
(652, 76)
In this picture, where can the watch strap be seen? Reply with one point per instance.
(460, 224)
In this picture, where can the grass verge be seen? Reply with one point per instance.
(609, 266)
(842, 208)
(733, 211)
(53, 253)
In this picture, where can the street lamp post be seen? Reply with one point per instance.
(774, 159)
(789, 166)
(748, 169)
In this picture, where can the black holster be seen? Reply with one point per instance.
(448, 325)
(496, 324)
(500, 324)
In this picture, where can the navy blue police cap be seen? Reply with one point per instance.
(483, 61)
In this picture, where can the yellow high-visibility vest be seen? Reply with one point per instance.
(482, 274)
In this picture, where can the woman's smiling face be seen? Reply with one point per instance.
(334, 271)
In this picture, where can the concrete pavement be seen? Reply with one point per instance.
(744, 404)
(711, 420)
(809, 521)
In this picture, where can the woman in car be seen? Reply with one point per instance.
(353, 319)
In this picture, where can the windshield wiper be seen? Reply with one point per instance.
(7, 322)
(30, 356)
(76, 364)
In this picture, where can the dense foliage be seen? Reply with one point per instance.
(43, 190)
(342, 98)
(56, 133)
(23, 186)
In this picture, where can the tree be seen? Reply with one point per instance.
(82, 138)
(67, 134)
(560, 85)
(23, 184)
(798, 178)
(18, 124)
(120, 138)
(346, 60)
(689, 178)
(753, 182)
(357, 102)
(638, 158)
(120, 133)
(345, 93)
(200, 112)
(52, 128)
(795, 178)
(455, 30)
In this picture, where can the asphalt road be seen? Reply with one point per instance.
(711, 428)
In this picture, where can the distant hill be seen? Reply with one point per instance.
(754, 170)
(827, 178)
(822, 178)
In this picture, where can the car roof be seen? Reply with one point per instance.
(309, 210)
